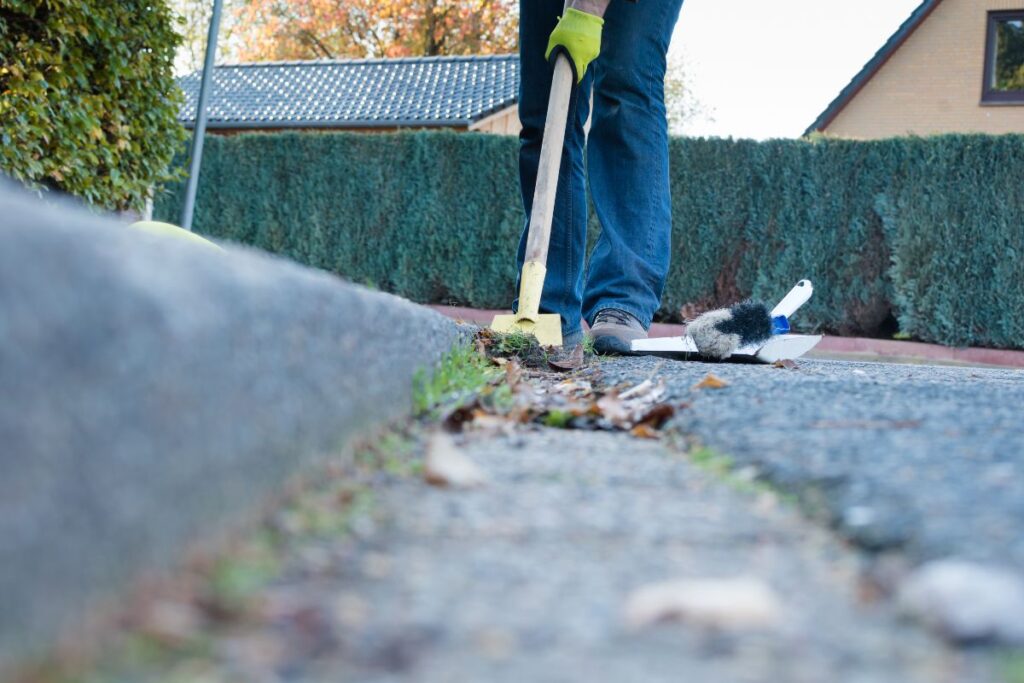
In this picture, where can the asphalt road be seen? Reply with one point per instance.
(928, 460)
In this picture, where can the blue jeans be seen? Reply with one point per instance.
(626, 162)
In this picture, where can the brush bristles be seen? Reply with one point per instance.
(719, 333)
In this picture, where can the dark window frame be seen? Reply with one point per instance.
(990, 95)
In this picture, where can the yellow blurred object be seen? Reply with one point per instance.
(168, 230)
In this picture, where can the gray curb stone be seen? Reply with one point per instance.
(154, 389)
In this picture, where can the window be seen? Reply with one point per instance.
(1004, 58)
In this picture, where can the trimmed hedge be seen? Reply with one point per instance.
(926, 233)
(88, 101)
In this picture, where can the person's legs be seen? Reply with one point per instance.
(563, 286)
(628, 161)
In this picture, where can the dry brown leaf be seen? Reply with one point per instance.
(645, 431)
(639, 390)
(500, 362)
(457, 419)
(613, 409)
(738, 603)
(513, 373)
(446, 465)
(785, 364)
(711, 381)
(573, 362)
(657, 415)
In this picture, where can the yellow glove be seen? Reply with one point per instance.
(580, 34)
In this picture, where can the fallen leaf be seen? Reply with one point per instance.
(457, 419)
(712, 381)
(613, 409)
(645, 431)
(639, 390)
(657, 415)
(732, 604)
(513, 374)
(573, 362)
(446, 465)
(500, 362)
(785, 364)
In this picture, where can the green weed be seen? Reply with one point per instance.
(559, 419)
(722, 467)
(462, 373)
(1011, 665)
(588, 345)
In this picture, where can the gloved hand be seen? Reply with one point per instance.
(580, 34)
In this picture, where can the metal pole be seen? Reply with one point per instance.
(200, 128)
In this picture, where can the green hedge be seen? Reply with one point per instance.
(926, 233)
(88, 101)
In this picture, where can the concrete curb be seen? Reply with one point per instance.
(155, 391)
(855, 348)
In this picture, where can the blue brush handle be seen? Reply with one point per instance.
(780, 325)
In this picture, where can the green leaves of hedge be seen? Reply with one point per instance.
(926, 232)
(88, 102)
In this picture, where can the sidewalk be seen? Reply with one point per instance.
(566, 563)
(834, 348)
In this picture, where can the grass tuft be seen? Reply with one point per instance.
(462, 373)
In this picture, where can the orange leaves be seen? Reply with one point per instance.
(711, 381)
(316, 29)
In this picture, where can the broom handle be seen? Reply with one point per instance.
(550, 161)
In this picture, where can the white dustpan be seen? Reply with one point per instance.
(779, 347)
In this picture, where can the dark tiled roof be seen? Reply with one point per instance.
(359, 93)
(871, 68)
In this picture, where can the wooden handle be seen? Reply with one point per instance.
(550, 161)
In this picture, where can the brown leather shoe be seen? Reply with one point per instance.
(614, 331)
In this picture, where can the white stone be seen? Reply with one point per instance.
(966, 602)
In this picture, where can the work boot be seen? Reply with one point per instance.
(614, 330)
(571, 341)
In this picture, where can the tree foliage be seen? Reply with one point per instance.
(88, 102)
(318, 29)
(681, 105)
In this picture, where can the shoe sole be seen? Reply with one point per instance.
(612, 346)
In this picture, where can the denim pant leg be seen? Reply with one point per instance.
(563, 287)
(627, 159)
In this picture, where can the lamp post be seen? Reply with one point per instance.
(200, 128)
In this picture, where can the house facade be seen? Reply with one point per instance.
(471, 93)
(955, 66)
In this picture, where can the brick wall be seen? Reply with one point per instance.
(933, 83)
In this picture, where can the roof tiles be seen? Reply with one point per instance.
(363, 93)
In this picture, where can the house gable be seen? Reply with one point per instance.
(926, 80)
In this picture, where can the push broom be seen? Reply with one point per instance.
(547, 327)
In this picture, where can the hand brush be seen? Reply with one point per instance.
(718, 334)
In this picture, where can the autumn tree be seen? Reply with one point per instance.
(682, 107)
(326, 29)
(192, 23)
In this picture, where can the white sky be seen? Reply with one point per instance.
(766, 69)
